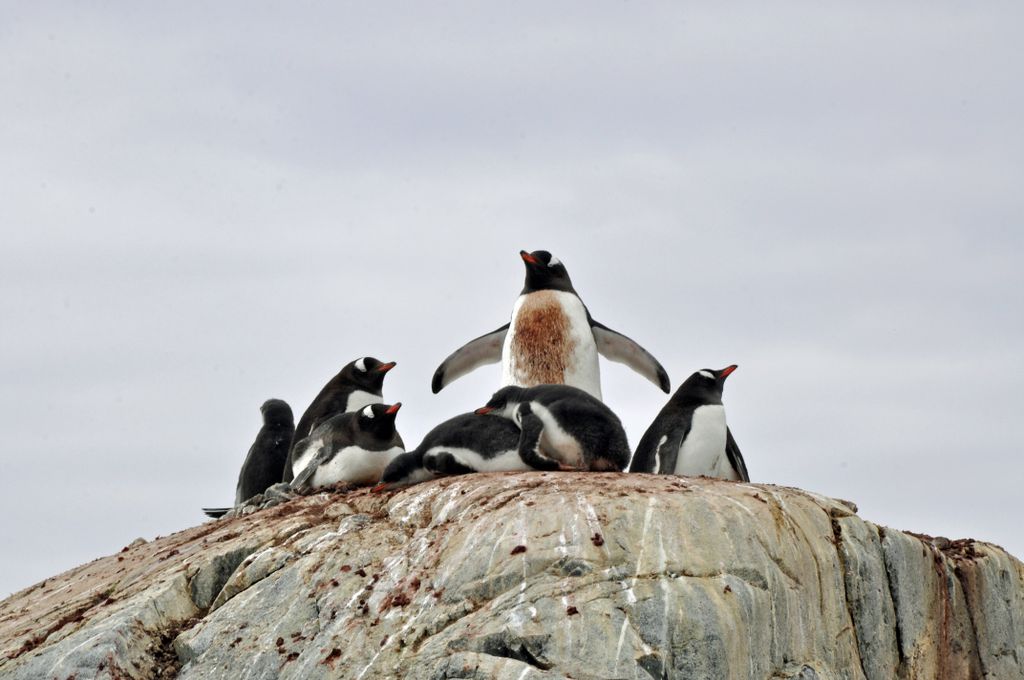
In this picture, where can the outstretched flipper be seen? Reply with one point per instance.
(476, 353)
(216, 512)
(615, 346)
(732, 451)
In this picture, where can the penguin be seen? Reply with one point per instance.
(348, 447)
(358, 384)
(459, 445)
(689, 436)
(265, 461)
(562, 428)
(551, 338)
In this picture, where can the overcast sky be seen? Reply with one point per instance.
(209, 204)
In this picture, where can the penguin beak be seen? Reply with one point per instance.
(483, 410)
(724, 373)
(380, 488)
(393, 409)
(384, 368)
(527, 258)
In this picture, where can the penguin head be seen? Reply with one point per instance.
(544, 271)
(503, 403)
(367, 373)
(277, 412)
(378, 419)
(706, 384)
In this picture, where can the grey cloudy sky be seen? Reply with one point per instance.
(209, 204)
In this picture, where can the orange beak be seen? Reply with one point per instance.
(727, 370)
(379, 488)
(483, 410)
(384, 368)
(393, 409)
(527, 258)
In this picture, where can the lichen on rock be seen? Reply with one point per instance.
(532, 575)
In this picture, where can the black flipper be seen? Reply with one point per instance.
(529, 441)
(305, 478)
(732, 451)
(444, 463)
(667, 454)
(476, 353)
(615, 346)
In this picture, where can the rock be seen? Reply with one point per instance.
(531, 575)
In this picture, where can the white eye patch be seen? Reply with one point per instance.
(708, 374)
(361, 365)
(368, 411)
(554, 261)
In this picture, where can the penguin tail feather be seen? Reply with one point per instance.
(216, 512)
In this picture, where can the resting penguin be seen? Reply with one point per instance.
(266, 458)
(689, 436)
(562, 428)
(465, 443)
(551, 338)
(358, 384)
(348, 447)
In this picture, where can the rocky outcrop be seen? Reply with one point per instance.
(531, 575)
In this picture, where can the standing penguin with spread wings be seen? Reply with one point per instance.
(551, 339)
(689, 436)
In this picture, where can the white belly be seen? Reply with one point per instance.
(502, 462)
(355, 465)
(358, 399)
(703, 451)
(550, 341)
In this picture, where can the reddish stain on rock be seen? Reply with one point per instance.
(597, 539)
(571, 611)
(518, 549)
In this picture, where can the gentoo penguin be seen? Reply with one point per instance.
(465, 443)
(689, 436)
(348, 447)
(562, 428)
(266, 458)
(358, 384)
(551, 338)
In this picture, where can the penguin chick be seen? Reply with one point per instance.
(349, 447)
(358, 384)
(465, 443)
(562, 427)
(265, 461)
(690, 436)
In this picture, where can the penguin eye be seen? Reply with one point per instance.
(361, 365)
(368, 412)
(554, 261)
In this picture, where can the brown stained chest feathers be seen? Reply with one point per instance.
(542, 345)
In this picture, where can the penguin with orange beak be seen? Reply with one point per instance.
(550, 339)
(349, 447)
(689, 436)
(358, 384)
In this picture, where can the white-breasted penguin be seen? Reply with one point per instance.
(266, 459)
(348, 447)
(562, 428)
(551, 338)
(359, 383)
(465, 443)
(690, 436)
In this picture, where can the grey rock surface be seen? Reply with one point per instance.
(531, 575)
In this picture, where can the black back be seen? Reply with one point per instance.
(333, 398)
(264, 464)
